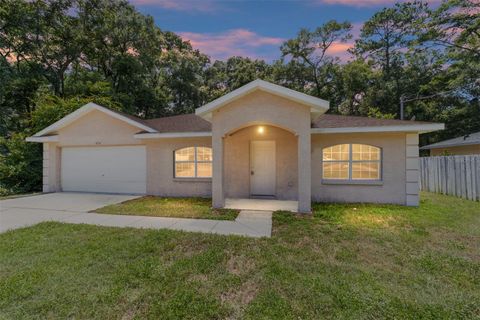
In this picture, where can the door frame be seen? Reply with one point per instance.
(274, 178)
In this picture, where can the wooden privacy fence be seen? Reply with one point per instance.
(453, 175)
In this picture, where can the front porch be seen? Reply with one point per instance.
(262, 167)
(261, 204)
(261, 142)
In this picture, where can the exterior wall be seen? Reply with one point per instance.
(460, 150)
(267, 109)
(160, 169)
(262, 108)
(393, 186)
(412, 167)
(93, 129)
(237, 162)
(98, 128)
(299, 170)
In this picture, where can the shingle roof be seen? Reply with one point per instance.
(180, 123)
(339, 121)
(472, 138)
(194, 123)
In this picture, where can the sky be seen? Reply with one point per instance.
(255, 28)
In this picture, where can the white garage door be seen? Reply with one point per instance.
(104, 169)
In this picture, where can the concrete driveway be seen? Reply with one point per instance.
(62, 206)
(71, 207)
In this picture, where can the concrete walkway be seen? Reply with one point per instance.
(74, 207)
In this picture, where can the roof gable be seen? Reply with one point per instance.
(89, 107)
(317, 106)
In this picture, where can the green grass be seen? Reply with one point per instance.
(19, 195)
(344, 262)
(199, 208)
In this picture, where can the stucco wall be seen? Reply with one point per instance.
(237, 162)
(460, 150)
(51, 167)
(160, 169)
(262, 108)
(98, 128)
(266, 109)
(394, 168)
(232, 126)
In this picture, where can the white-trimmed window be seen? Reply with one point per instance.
(193, 162)
(352, 162)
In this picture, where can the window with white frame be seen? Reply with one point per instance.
(352, 162)
(193, 162)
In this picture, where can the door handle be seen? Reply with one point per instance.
(252, 173)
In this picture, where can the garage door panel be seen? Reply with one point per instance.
(104, 169)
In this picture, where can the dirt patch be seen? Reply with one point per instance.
(239, 265)
(240, 297)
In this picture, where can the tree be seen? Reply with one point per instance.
(310, 48)
(355, 79)
(225, 76)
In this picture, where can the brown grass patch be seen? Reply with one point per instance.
(239, 265)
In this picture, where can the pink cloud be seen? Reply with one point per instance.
(340, 49)
(180, 5)
(236, 42)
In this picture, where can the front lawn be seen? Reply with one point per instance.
(200, 208)
(346, 261)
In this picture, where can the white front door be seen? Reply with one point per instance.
(262, 168)
(104, 169)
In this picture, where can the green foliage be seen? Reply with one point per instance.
(376, 113)
(59, 54)
(51, 108)
(310, 48)
(20, 165)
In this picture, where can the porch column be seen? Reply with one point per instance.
(304, 172)
(51, 167)
(218, 199)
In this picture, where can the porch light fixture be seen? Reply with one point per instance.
(261, 130)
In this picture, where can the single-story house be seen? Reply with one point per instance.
(261, 140)
(464, 145)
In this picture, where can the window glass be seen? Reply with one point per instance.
(204, 169)
(193, 162)
(352, 162)
(185, 169)
(336, 153)
(204, 154)
(335, 170)
(185, 154)
(365, 152)
(366, 170)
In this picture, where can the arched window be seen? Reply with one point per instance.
(352, 162)
(193, 162)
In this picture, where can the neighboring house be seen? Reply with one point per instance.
(467, 144)
(261, 140)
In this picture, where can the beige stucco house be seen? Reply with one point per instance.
(464, 145)
(259, 141)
